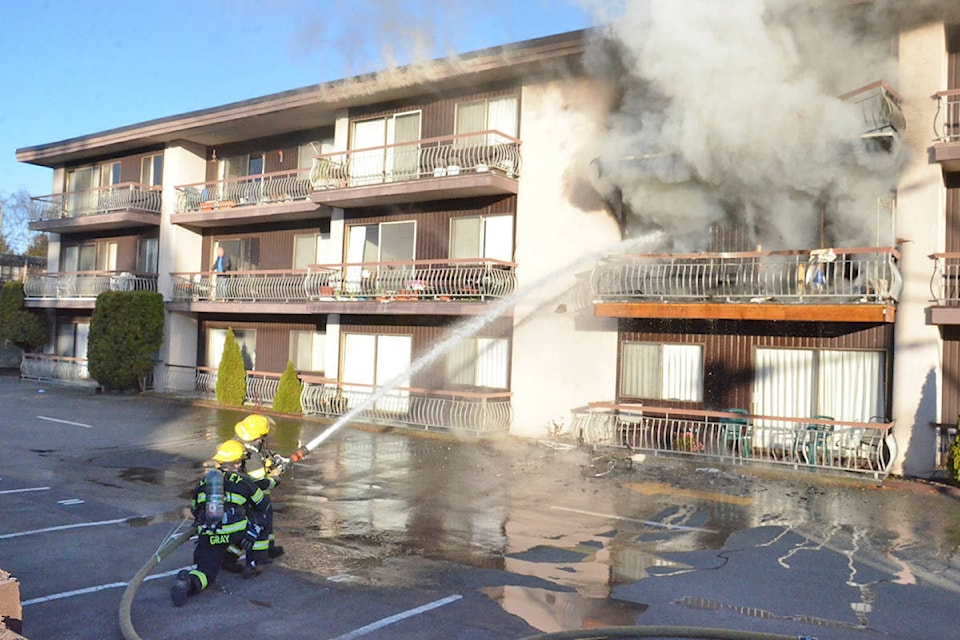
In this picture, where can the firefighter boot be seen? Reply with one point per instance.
(181, 588)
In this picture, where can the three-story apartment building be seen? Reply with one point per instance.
(422, 243)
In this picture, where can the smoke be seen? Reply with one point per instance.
(730, 114)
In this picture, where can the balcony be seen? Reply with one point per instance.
(447, 287)
(475, 414)
(864, 449)
(79, 289)
(945, 289)
(121, 206)
(279, 196)
(50, 368)
(485, 163)
(821, 285)
(946, 127)
(881, 111)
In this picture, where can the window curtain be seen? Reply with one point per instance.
(682, 372)
(850, 385)
(640, 370)
(492, 359)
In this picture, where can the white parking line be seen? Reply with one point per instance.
(76, 424)
(102, 587)
(70, 502)
(678, 527)
(379, 624)
(24, 490)
(64, 527)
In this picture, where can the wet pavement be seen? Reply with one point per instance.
(390, 534)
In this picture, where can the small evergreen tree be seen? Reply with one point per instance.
(231, 374)
(126, 329)
(287, 398)
(23, 328)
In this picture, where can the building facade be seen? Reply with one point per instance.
(437, 246)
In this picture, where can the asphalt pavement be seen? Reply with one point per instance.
(393, 534)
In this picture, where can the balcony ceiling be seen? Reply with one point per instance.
(948, 155)
(727, 311)
(98, 222)
(346, 307)
(319, 105)
(245, 215)
(463, 186)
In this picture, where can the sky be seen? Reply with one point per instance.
(75, 68)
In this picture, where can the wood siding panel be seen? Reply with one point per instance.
(728, 350)
(952, 241)
(126, 246)
(273, 340)
(276, 245)
(950, 370)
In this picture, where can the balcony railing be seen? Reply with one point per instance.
(117, 197)
(818, 444)
(946, 125)
(475, 413)
(868, 274)
(441, 280)
(477, 152)
(85, 284)
(50, 368)
(260, 189)
(945, 282)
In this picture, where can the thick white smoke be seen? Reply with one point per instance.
(731, 112)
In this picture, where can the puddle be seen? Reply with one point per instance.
(552, 611)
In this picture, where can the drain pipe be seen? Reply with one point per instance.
(602, 633)
(126, 625)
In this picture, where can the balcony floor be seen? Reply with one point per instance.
(885, 313)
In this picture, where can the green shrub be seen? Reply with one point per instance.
(231, 374)
(23, 328)
(126, 329)
(955, 455)
(287, 399)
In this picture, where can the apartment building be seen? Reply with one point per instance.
(437, 246)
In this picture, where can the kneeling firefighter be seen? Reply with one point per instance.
(265, 468)
(228, 508)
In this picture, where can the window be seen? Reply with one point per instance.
(81, 196)
(498, 114)
(246, 339)
(306, 350)
(147, 255)
(310, 249)
(151, 170)
(98, 256)
(482, 237)
(479, 362)
(110, 174)
(72, 339)
(244, 253)
(799, 383)
(379, 164)
(376, 360)
(662, 371)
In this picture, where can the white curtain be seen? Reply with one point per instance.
(492, 362)
(393, 358)
(640, 370)
(460, 359)
(682, 372)
(498, 238)
(851, 385)
(784, 383)
(502, 115)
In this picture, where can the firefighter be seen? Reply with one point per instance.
(228, 509)
(264, 467)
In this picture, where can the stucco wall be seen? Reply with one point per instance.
(563, 357)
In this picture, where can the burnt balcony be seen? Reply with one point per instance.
(79, 289)
(448, 287)
(263, 198)
(881, 111)
(945, 289)
(119, 206)
(484, 163)
(821, 285)
(817, 444)
(946, 127)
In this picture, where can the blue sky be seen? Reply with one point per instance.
(73, 68)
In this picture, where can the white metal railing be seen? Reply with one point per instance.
(467, 279)
(850, 275)
(816, 443)
(259, 189)
(476, 413)
(945, 281)
(48, 368)
(117, 197)
(946, 125)
(477, 152)
(85, 284)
